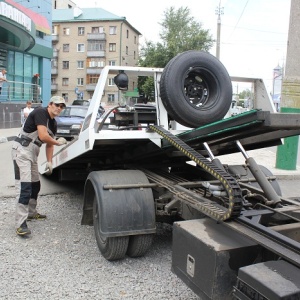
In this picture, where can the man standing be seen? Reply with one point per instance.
(27, 110)
(2, 79)
(40, 127)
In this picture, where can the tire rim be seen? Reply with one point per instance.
(201, 88)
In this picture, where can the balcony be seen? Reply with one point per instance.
(55, 37)
(93, 71)
(90, 87)
(100, 53)
(96, 36)
(54, 71)
(55, 53)
(54, 87)
(17, 90)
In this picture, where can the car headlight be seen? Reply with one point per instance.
(77, 126)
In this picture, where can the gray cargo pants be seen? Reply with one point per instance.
(27, 182)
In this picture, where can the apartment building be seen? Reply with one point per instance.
(84, 41)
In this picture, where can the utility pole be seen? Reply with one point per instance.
(219, 11)
(286, 157)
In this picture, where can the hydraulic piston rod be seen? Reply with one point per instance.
(260, 176)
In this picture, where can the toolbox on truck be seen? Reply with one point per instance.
(205, 252)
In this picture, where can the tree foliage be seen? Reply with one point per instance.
(245, 94)
(180, 32)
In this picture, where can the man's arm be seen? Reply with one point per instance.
(45, 137)
(2, 78)
(26, 113)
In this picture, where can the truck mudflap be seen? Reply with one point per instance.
(119, 203)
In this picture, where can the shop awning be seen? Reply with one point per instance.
(41, 23)
(14, 37)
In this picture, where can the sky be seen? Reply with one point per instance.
(254, 33)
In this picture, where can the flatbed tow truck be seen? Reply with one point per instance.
(234, 235)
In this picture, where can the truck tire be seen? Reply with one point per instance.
(112, 248)
(195, 89)
(139, 245)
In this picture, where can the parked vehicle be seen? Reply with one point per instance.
(81, 102)
(69, 122)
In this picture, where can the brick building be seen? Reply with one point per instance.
(84, 41)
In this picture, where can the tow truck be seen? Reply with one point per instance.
(235, 236)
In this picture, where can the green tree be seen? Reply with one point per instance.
(180, 32)
(245, 94)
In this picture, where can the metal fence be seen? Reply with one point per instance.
(20, 91)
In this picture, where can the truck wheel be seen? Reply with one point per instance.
(195, 88)
(112, 248)
(139, 244)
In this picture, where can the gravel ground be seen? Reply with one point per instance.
(61, 260)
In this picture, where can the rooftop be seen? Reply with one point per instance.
(85, 15)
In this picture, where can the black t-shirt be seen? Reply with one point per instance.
(40, 116)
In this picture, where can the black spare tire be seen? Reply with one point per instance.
(195, 88)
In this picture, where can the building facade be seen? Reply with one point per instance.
(61, 4)
(26, 53)
(84, 41)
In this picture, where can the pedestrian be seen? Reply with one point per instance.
(27, 110)
(2, 79)
(40, 128)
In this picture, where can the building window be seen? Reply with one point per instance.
(53, 80)
(98, 29)
(112, 47)
(80, 64)
(80, 48)
(111, 98)
(66, 31)
(66, 47)
(96, 45)
(126, 50)
(55, 29)
(112, 30)
(65, 96)
(127, 33)
(134, 54)
(92, 79)
(111, 62)
(65, 64)
(65, 81)
(80, 30)
(80, 81)
(135, 39)
(96, 63)
(111, 82)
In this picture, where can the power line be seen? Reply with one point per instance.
(239, 19)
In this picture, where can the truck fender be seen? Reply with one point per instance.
(122, 211)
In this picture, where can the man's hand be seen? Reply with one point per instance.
(61, 141)
(48, 168)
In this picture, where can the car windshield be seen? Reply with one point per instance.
(74, 112)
